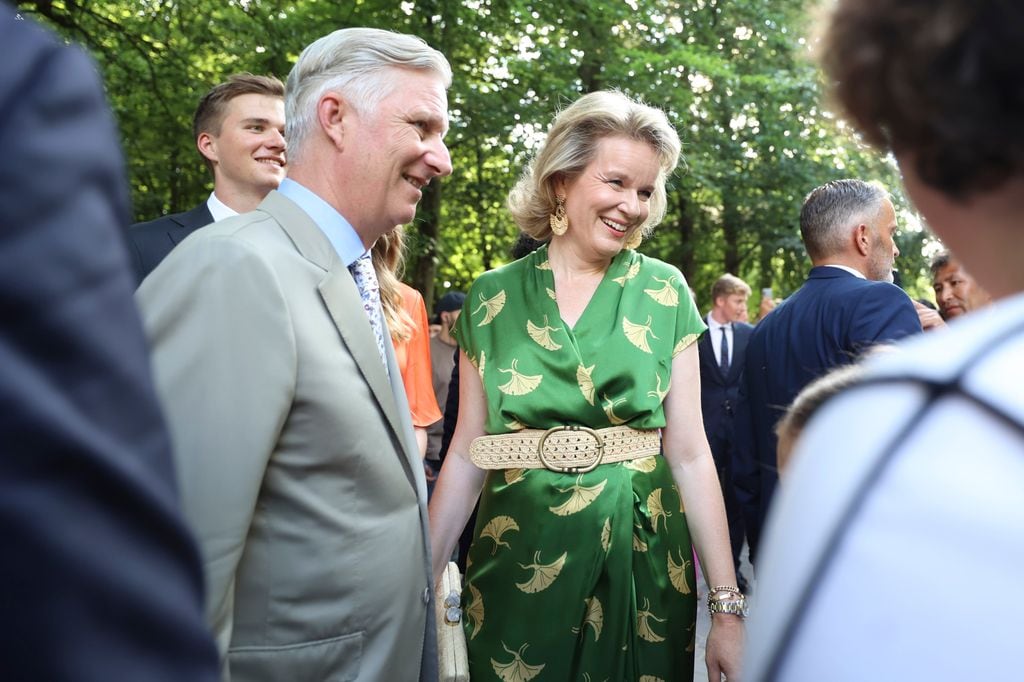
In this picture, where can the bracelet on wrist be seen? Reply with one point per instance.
(730, 601)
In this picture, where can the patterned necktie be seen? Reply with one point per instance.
(369, 291)
(724, 362)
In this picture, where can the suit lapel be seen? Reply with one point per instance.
(341, 297)
(713, 358)
(189, 222)
(707, 354)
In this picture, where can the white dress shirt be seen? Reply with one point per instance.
(714, 329)
(218, 209)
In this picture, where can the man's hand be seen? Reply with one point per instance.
(930, 319)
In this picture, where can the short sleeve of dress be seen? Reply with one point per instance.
(481, 304)
(689, 324)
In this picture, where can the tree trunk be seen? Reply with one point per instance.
(685, 228)
(428, 227)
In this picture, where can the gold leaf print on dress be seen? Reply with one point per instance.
(643, 624)
(637, 333)
(677, 573)
(492, 305)
(518, 384)
(480, 367)
(666, 295)
(514, 425)
(657, 392)
(606, 535)
(543, 574)
(517, 670)
(644, 464)
(551, 294)
(586, 382)
(497, 527)
(475, 610)
(634, 269)
(514, 475)
(638, 544)
(580, 499)
(543, 265)
(683, 343)
(594, 617)
(656, 509)
(650, 678)
(542, 335)
(609, 409)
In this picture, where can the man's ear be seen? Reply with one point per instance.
(332, 113)
(206, 144)
(862, 239)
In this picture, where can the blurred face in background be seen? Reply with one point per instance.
(731, 308)
(956, 292)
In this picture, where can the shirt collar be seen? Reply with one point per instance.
(850, 270)
(218, 209)
(339, 231)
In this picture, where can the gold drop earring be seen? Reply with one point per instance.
(559, 221)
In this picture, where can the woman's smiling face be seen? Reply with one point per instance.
(610, 199)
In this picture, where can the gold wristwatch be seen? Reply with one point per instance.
(727, 600)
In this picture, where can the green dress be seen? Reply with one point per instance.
(579, 577)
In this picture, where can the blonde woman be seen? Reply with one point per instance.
(580, 398)
(406, 317)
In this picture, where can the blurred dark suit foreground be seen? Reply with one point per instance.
(99, 579)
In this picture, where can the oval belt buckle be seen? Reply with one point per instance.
(582, 469)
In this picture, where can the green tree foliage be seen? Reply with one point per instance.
(736, 76)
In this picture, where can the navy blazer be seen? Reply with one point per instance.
(99, 578)
(828, 322)
(153, 240)
(719, 393)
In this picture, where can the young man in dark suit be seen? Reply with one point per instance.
(239, 131)
(847, 305)
(721, 352)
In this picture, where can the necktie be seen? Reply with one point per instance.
(723, 363)
(369, 291)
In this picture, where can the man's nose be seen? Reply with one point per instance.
(275, 140)
(438, 158)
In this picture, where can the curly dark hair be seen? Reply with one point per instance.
(940, 80)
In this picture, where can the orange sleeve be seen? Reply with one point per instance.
(416, 372)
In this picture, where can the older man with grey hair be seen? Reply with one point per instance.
(847, 304)
(294, 447)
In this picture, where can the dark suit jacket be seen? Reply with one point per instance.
(719, 393)
(828, 322)
(99, 579)
(152, 241)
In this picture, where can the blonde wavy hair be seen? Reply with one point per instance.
(572, 143)
(388, 256)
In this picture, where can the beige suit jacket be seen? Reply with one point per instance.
(295, 453)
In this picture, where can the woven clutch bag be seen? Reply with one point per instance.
(452, 657)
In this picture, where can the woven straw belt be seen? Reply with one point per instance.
(566, 449)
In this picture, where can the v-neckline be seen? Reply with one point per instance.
(549, 274)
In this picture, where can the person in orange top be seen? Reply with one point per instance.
(406, 317)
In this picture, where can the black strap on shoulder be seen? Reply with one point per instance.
(936, 390)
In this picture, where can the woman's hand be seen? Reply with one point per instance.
(724, 652)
